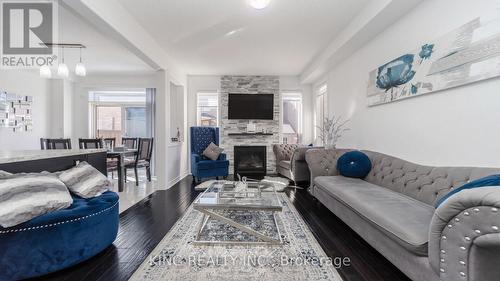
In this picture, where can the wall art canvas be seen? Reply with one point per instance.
(15, 112)
(466, 55)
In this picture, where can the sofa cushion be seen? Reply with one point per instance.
(209, 164)
(400, 217)
(354, 164)
(285, 164)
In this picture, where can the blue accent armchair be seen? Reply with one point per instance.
(201, 167)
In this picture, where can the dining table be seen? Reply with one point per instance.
(119, 154)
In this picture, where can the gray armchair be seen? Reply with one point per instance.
(291, 162)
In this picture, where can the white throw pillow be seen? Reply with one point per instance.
(26, 196)
(85, 180)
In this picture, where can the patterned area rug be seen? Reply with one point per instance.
(300, 257)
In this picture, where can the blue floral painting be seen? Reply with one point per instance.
(450, 61)
(396, 73)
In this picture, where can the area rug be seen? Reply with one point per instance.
(299, 257)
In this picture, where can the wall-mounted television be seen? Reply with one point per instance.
(251, 106)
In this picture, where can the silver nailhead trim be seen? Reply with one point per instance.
(477, 231)
(495, 227)
(442, 260)
(467, 238)
(57, 223)
(462, 274)
(463, 248)
(494, 210)
(444, 237)
(466, 213)
(443, 251)
(462, 262)
(442, 270)
(450, 226)
(457, 219)
(476, 210)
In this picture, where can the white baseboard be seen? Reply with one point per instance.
(177, 179)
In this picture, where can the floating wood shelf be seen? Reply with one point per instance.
(250, 134)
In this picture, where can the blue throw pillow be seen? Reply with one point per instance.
(492, 180)
(354, 164)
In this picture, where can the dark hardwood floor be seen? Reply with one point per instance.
(144, 225)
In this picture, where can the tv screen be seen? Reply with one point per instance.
(251, 106)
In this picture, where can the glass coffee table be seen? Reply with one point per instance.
(237, 215)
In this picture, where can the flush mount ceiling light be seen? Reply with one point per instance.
(259, 4)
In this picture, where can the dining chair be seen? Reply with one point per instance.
(55, 143)
(130, 143)
(110, 142)
(90, 143)
(142, 159)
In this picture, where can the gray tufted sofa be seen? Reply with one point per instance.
(393, 210)
(291, 161)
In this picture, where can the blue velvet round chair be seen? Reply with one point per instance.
(59, 239)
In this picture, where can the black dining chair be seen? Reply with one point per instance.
(142, 159)
(55, 143)
(110, 142)
(90, 143)
(130, 143)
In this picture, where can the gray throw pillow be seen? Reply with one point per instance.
(212, 152)
(4, 174)
(85, 180)
(26, 196)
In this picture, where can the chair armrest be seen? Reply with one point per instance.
(195, 158)
(222, 157)
(464, 236)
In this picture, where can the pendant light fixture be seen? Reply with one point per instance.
(62, 69)
(80, 67)
(45, 71)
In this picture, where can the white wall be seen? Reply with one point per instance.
(201, 83)
(454, 127)
(27, 83)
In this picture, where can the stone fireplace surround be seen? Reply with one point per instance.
(252, 85)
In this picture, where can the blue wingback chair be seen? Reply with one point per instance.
(201, 167)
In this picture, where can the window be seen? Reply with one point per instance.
(320, 111)
(291, 128)
(208, 109)
(118, 113)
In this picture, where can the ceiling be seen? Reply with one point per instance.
(102, 54)
(231, 37)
